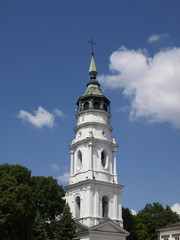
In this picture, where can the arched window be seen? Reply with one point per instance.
(103, 158)
(79, 159)
(105, 206)
(86, 105)
(77, 207)
(96, 105)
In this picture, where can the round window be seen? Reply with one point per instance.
(103, 133)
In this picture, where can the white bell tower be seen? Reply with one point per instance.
(93, 193)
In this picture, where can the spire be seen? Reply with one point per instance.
(92, 69)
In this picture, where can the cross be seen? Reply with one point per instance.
(92, 43)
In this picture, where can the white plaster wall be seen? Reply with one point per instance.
(93, 116)
(98, 171)
(100, 132)
(170, 233)
(91, 202)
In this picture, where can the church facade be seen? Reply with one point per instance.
(93, 193)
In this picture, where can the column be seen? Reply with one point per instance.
(97, 203)
(115, 171)
(115, 207)
(72, 163)
(90, 156)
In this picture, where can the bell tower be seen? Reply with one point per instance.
(93, 193)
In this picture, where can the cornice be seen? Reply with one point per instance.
(93, 182)
(92, 139)
(92, 123)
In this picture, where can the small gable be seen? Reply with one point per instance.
(109, 226)
(80, 227)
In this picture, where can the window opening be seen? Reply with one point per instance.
(78, 207)
(96, 105)
(105, 107)
(79, 160)
(105, 206)
(86, 106)
(103, 159)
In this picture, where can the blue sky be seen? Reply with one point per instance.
(44, 61)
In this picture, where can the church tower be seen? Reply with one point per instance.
(93, 193)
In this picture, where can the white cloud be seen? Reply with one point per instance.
(41, 117)
(151, 84)
(64, 178)
(176, 208)
(55, 167)
(59, 113)
(155, 37)
(133, 212)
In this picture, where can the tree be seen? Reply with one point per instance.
(29, 206)
(67, 227)
(141, 232)
(152, 217)
(39, 228)
(49, 205)
(129, 223)
(17, 206)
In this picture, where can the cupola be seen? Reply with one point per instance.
(93, 98)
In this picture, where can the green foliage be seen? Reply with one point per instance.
(129, 223)
(152, 217)
(39, 228)
(17, 207)
(48, 198)
(141, 232)
(28, 205)
(67, 228)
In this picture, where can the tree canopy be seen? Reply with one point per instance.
(67, 225)
(144, 224)
(29, 206)
(129, 223)
(17, 205)
(49, 206)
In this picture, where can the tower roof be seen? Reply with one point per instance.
(93, 97)
(92, 68)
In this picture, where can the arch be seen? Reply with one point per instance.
(79, 159)
(86, 105)
(104, 158)
(105, 206)
(96, 105)
(77, 207)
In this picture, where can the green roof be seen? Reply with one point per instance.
(92, 69)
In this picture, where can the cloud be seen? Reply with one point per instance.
(55, 167)
(176, 208)
(59, 113)
(133, 212)
(155, 37)
(152, 85)
(63, 178)
(41, 117)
